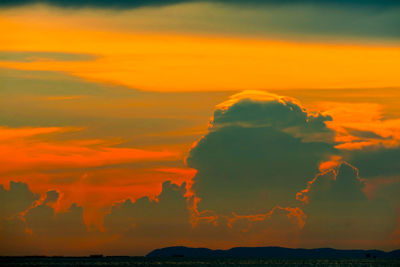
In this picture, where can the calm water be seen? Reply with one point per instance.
(131, 261)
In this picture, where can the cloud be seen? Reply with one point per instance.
(15, 240)
(45, 223)
(379, 165)
(52, 196)
(145, 223)
(252, 188)
(390, 190)
(384, 3)
(339, 210)
(170, 219)
(141, 3)
(260, 150)
(66, 97)
(95, 3)
(340, 181)
(19, 56)
(241, 170)
(362, 126)
(36, 228)
(169, 210)
(311, 19)
(16, 199)
(263, 109)
(8, 134)
(376, 161)
(34, 153)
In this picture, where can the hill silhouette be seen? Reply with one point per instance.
(272, 252)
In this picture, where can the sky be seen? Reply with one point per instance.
(131, 125)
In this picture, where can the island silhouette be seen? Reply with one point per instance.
(272, 252)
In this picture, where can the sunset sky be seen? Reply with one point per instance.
(130, 125)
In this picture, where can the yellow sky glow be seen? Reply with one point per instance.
(173, 62)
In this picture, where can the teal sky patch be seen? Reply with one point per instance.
(32, 56)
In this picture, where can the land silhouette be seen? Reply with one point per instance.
(273, 253)
(238, 256)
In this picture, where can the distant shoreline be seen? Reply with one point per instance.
(273, 253)
(236, 252)
(116, 261)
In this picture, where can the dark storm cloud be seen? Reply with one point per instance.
(359, 3)
(93, 3)
(28, 224)
(341, 183)
(277, 18)
(376, 161)
(144, 216)
(147, 223)
(16, 199)
(48, 224)
(256, 156)
(171, 219)
(141, 3)
(337, 201)
(281, 114)
(259, 152)
(52, 196)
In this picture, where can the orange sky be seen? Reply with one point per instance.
(104, 113)
(186, 62)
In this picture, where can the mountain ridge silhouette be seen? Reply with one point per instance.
(272, 252)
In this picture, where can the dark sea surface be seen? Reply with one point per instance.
(142, 261)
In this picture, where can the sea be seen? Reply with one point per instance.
(143, 261)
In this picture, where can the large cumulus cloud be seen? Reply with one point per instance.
(254, 186)
(260, 151)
